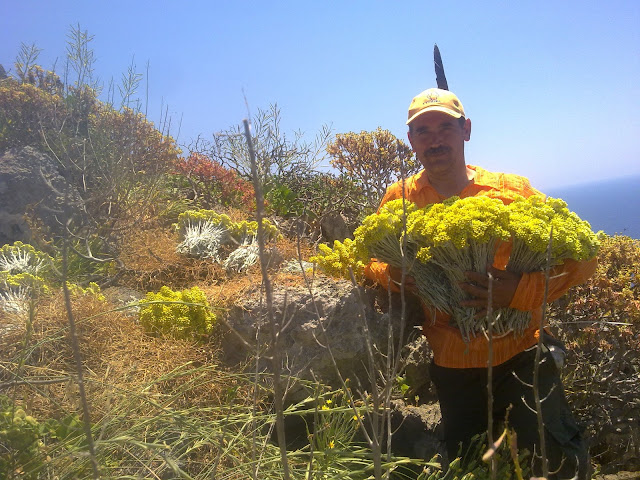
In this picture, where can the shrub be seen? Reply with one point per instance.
(19, 441)
(203, 239)
(115, 158)
(613, 292)
(600, 324)
(204, 232)
(315, 194)
(92, 290)
(276, 154)
(89, 259)
(24, 274)
(212, 184)
(26, 113)
(242, 257)
(184, 314)
(373, 159)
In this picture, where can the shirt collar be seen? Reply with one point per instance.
(482, 178)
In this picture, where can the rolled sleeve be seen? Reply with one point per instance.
(530, 292)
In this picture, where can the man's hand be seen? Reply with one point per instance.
(503, 288)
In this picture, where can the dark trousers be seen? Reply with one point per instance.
(462, 393)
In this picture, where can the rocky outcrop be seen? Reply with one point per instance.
(30, 186)
(334, 227)
(327, 332)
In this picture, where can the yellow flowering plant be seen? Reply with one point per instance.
(381, 235)
(182, 314)
(340, 260)
(444, 240)
(533, 222)
(457, 235)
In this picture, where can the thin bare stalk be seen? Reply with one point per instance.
(78, 359)
(375, 442)
(490, 319)
(394, 368)
(276, 357)
(536, 370)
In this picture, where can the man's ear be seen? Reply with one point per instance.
(467, 129)
(409, 137)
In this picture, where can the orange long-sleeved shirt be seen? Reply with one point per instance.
(449, 350)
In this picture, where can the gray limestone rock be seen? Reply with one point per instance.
(335, 322)
(30, 184)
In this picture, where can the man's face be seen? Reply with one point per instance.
(438, 140)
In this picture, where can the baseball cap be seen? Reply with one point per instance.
(435, 99)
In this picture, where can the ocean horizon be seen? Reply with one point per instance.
(609, 205)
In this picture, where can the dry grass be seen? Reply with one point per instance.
(151, 261)
(118, 357)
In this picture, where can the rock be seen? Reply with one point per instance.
(334, 227)
(31, 185)
(319, 329)
(417, 356)
(417, 431)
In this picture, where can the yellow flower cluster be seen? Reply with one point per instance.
(339, 260)
(533, 221)
(461, 235)
(182, 314)
(458, 223)
(453, 237)
(92, 290)
(380, 235)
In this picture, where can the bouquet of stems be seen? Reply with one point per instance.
(381, 235)
(534, 223)
(438, 243)
(457, 235)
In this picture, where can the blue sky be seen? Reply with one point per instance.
(552, 87)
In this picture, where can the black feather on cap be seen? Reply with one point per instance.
(441, 80)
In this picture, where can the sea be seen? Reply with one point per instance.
(609, 205)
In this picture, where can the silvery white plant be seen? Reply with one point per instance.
(15, 300)
(242, 257)
(20, 260)
(293, 266)
(203, 239)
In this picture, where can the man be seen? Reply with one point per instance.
(438, 129)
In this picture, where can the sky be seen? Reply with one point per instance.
(551, 87)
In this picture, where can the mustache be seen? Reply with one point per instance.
(437, 150)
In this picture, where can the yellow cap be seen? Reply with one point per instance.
(435, 99)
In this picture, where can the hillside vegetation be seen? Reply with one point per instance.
(112, 323)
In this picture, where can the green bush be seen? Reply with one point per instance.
(313, 195)
(184, 315)
(19, 441)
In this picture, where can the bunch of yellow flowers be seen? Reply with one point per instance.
(457, 235)
(381, 235)
(532, 221)
(340, 260)
(439, 242)
(182, 314)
